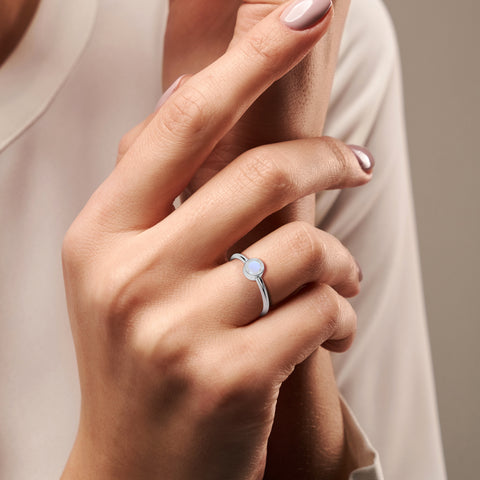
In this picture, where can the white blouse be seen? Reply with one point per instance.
(91, 66)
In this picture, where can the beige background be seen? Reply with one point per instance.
(440, 48)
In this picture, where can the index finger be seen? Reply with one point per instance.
(163, 159)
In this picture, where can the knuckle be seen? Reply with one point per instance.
(348, 283)
(112, 295)
(331, 309)
(170, 352)
(186, 113)
(342, 166)
(309, 248)
(124, 145)
(260, 172)
(354, 288)
(339, 346)
(347, 279)
(354, 277)
(235, 390)
(69, 245)
(347, 331)
(258, 47)
(349, 321)
(161, 350)
(121, 290)
(353, 327)
(74, 246)
(231, 384)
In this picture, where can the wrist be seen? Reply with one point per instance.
(94, 458)
(86, 461)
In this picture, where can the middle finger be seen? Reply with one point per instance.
(257, 184)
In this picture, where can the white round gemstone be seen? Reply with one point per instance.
(254, 267)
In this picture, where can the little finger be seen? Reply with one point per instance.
(317, 316)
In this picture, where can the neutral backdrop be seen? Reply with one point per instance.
(440, 48)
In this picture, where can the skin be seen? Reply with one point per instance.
(15, 17)
(178, 382)
(308, 435)
(310, 391)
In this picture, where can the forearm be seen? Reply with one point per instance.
(295, 107)
(307, 439)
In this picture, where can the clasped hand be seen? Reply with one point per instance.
(179, 375)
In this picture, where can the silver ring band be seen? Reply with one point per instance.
(253, 269)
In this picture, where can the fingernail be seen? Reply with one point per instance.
(168, 93)
(360, 273)
(364, 157)
(304, 14)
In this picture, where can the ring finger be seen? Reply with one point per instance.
(294, 255)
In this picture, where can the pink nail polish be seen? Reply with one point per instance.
(167, 94)
(364, 157)
(304, 14)
(360, 273)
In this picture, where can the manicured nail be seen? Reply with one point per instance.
(168, 93)
(364, 157)
(360, 273)
(304, 14)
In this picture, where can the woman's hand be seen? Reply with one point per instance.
(293, 107)
(198, 32)
(179, 377)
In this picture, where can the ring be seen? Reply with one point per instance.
(253, 269)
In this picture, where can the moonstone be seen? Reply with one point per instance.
(254, 267)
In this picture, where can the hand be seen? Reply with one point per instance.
(178, 379)
(293, 107)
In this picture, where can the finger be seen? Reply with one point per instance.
(259, 183)
(294, 255)
(316, 317)
(131, 136)
(163, 159)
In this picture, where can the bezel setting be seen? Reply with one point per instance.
(253, 268)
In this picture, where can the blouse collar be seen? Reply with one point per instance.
(38, 67)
